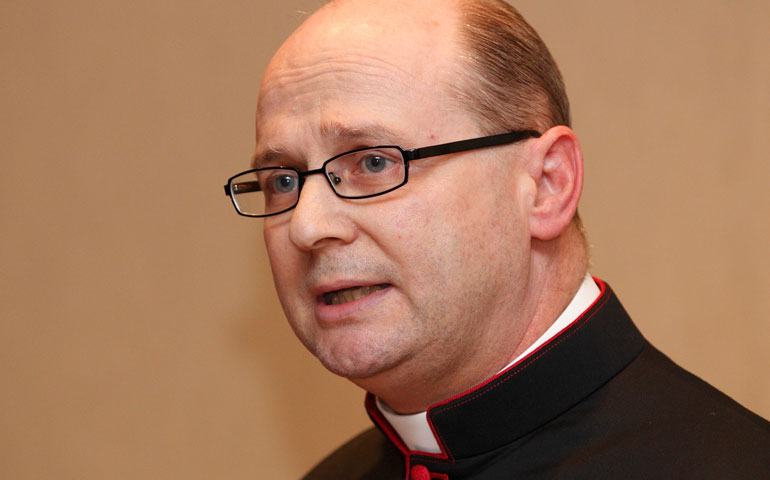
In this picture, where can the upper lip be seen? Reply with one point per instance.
(333, 286)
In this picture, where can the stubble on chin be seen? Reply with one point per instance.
(366, 347)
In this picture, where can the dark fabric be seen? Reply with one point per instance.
(369, 455)
(598, 401)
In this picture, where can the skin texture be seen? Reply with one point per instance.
(477, 248)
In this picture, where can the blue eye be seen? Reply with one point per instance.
(285, 183)
(375, 163)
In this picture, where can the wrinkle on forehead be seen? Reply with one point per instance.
(392, 53)
(400, 37)
(314, 96)
(347, 74)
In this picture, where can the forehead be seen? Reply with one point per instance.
(371, 64)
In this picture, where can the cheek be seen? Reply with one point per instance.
(275, 252)
(284, 262)
(411, 224)
(427, 239)
(415, 228)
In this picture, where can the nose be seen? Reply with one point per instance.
(320, 217)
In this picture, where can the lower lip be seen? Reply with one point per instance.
(340, 313)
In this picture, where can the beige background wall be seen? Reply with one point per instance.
(139, 334)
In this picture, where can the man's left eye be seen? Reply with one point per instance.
(375, 163)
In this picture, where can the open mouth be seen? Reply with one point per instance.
(346, 295)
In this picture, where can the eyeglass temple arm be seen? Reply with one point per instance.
(472, 144)
(242, 187)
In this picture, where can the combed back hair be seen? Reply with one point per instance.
(511, 80)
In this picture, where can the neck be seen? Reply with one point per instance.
(559, 267)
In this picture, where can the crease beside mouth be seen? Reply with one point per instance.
(346, 295)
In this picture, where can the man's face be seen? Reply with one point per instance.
(418, 280)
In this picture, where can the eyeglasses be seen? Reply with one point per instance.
(360, 173)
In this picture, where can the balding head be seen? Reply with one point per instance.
(501, 70)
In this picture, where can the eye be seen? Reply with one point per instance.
(375, 163)
(283, 183)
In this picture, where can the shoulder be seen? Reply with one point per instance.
(671, 421)
(368, 455)
(682, 397)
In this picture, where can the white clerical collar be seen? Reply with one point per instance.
(414, 429)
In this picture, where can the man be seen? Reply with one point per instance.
(435, 258)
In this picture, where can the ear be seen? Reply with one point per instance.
(556, 166)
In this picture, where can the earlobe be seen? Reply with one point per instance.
(557, 169)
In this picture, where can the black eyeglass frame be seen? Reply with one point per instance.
(408, 156)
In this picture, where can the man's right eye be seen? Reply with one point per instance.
(283, 183)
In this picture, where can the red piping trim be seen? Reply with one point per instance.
(390, 432)
(395, 439)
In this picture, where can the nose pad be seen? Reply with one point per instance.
(334, 178)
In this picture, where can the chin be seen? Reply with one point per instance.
(360, 350)
(359, 360)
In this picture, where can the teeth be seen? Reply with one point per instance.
(350, 294)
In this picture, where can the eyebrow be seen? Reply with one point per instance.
(269, 155)
(368, 131)
(366, 134)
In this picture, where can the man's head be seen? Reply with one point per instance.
(427, 289)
